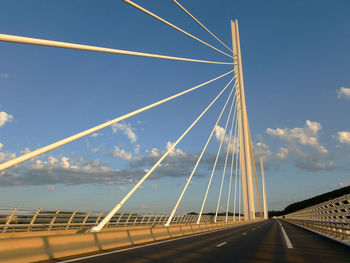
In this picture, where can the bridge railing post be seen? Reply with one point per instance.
(155, 218)
(149, 219)
(53, 219)
(9, 219)
(70, 219)
(33, 220)
(85, 219)
(161, 218)
(175, 220)
(135, 220)
(143, 218)
(127, 220)
(119, 218)
(179, 220)
(99, 217)
(183, 219)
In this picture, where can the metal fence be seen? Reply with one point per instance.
(331, 218)
(25, 220)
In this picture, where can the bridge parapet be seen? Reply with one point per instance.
(330, 218)
(29, 220)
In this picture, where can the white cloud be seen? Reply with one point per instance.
(4, 75)
(126, 129)
(311, 162)
(53, 161)
(121, 153)
(343, 93)
(154, 152)
(343, 137)
(305, 136)
(283, 153)
(96, 134)
(37, 164)
(65, 163)
(220, 132)
(1, 145)
(270, 158)
(25, 151)
(261, 149)
(6, 156)
(177, 164)
(174, 152)
(5, 117)
(303, 158)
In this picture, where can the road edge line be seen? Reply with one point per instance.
(286, 238)
(321, 234)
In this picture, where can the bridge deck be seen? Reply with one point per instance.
(260, 242)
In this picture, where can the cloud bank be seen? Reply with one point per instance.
(71, 171)
(301, 144)
(305, 136)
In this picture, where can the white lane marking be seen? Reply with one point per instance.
(244, 234)
(223, 243)
(289, 244)
(147, 245)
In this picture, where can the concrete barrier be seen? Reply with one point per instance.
(44, 247)
(160, 233)
(139, 236)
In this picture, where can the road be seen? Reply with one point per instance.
(259, 242)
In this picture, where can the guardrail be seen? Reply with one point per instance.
(54, 245)
(26, 220)
(330, 218)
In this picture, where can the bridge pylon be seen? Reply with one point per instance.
(246, 153)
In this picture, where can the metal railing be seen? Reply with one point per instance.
(26, 220)
(331, 218)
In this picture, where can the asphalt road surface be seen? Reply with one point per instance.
(259, 242)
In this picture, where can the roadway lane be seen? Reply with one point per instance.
(259, 242)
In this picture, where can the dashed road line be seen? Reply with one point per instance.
(140, 246)
(221, 244)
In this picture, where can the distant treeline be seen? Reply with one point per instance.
(311, 201)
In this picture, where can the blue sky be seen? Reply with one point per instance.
(297, 80)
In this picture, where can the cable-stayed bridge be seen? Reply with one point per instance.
(246, 204)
